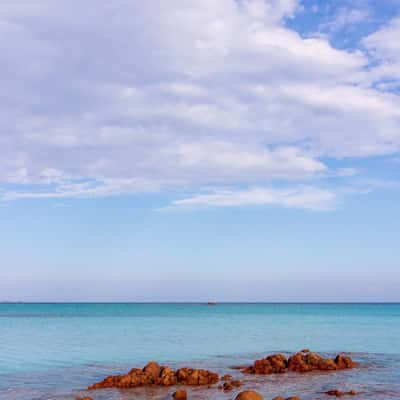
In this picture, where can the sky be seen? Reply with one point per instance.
(194, 150)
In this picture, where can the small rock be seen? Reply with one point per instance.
(226, 378)
(180, 395)
(153, 369)
(227, 386)
(249, 395)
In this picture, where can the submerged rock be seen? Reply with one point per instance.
(339, 393)
(249, 395)
(154, 374)
(288, 398)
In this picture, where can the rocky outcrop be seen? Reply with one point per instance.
(249, 395)
(304, 361)
(154, 374)
(275, 364)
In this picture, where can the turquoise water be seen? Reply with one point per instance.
(55, 350)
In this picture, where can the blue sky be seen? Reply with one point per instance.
(185, 151)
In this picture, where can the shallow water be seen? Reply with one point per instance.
(51, 351)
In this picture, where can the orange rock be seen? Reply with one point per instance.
(344, 362)
(152, 369)
(227, 386)
(180, 395)
(249, 395)
(306, 362)
(226, 378)
(154, 374)
(274, 364)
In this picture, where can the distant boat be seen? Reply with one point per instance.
(211, 303)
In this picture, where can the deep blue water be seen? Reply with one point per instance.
(52, 351)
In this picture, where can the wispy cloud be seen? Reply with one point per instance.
(310, 198)
(346, 18)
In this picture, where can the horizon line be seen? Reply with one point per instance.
(201, 302)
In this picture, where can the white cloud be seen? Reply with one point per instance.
(384, 47)
(125, 97)
(302, 197)
(346, 18)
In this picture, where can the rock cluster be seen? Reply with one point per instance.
(304, 361)
(154, 374)
(275, 364)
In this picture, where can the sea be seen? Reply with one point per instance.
(55, 351)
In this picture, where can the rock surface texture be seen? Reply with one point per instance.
(180, 395)
(249, 395)
(304, 361)
(154, 374)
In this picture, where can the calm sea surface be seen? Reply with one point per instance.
(54, 351)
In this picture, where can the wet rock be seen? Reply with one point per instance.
(226, 378)
(190, 376)
(167, 377)
(180, 395)
(249, 395)
(339, 393)
(236, 383)
(227, 386)
(83, 398)
(278, 398)
(275, 364)
(343, 362)
(306, 362)
(152, 369)
(154, 374)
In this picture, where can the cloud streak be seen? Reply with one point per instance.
(309, 198)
